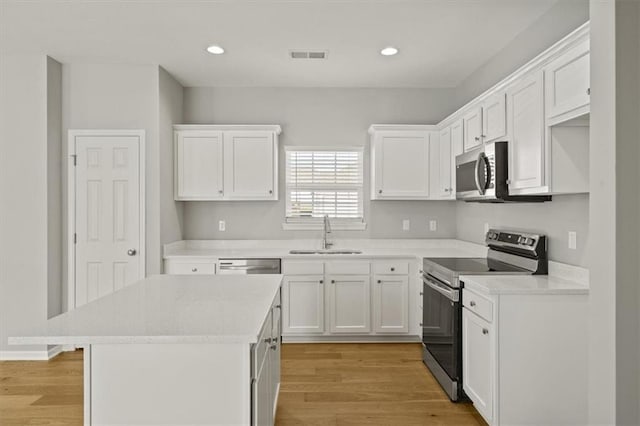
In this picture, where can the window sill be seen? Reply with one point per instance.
(344, 226)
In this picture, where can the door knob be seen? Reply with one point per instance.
(131, 252)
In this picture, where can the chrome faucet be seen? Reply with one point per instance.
(326, 230)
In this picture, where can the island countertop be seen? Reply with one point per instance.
(166, 309)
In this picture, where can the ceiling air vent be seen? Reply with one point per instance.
(303, 54)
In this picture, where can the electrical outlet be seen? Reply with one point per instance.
(573, 240)
(406, 225)
(486, 228)
(222, 225)
(433, 225)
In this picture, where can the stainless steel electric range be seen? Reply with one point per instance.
(513, 253)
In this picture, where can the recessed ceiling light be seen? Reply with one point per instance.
(215, 50)
(389, 51)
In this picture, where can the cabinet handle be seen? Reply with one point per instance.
(477, 138)
(421, 293)
(321, 281)
(485, 331)
(219, 191)
(379, 191)
(267, 340)
(271, 191)
(472, 303)
(393, 269)
(379, 281)
(421, 324)
(194, 269)
(446, 190)
(589, 91)
(278, 306)
(333, 281)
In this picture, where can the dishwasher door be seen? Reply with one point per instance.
(248, 266)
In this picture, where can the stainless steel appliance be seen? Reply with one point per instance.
(482, 174)
(248, 266)
(512, 253)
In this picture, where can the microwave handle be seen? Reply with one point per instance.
(482, 159)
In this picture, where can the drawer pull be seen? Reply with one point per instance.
(321, 281)
(420, 324)
(333, 281)
(485, 331)
(194, 269)
(393, 269)
(267, 340)
(472, 303)
(379, 281)
(422, 293)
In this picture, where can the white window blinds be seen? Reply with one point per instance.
(324, 182)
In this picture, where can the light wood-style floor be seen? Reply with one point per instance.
(322, 384)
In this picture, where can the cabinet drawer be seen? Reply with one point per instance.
(478, 304)
(190, 268)
(302, 268)
(348, 268)
(391, 268)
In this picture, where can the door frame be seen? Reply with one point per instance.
(71, 202)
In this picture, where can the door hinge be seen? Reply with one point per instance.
(75, 238)
(75, 159)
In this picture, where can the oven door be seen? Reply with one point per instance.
(475, 174)
(441, 332)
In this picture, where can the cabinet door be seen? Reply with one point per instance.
(526, 133)
(261, 396)
(303, 304)
(250, 165)
(401, 165)
(391, 304)
(198, 165)
(494, 123)
(473, 129)
(349, 303)
(445, 187)
(567, 82)
(478, 362)
(457, 138)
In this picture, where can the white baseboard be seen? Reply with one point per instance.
(351, 339)
(30, 355)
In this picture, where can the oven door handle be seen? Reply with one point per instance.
(452, 295)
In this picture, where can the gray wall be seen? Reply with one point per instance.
(554, 219)
(169, 112)
(557, 22)
(23, 191)
(317, 117)
(114, 96)
(54, 188)
(628, 212)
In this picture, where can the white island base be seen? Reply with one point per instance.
(177, 350)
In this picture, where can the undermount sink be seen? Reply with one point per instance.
(325, 252)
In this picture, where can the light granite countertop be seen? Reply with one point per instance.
(166, 309)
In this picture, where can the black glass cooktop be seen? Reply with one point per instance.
(474, 265)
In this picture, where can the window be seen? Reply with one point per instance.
(323, 182)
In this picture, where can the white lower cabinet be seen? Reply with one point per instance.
(477, 358)
(189, 267)
(357, 297)
(349, 304)
(390, 304)
(524, 357)
(303, 304)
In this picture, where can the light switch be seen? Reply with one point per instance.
(573, 240)
(406, 225)
(433, 225)
(222, 225)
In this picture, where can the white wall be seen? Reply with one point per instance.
(554, 219)
(169, 113)
(318, 117)
(557, 22)
(23, 191)
(113, 96)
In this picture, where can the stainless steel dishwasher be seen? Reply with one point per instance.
(248, 266)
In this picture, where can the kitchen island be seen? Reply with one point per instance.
(177, 350)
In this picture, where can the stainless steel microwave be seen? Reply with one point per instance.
(482, 173)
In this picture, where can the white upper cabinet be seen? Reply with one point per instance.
(457, 138)
(494, 121)
(441, 155)
(525, 114)
(400, 162)
(473, 128)
(567, 82)
(219, 162)
(250, 165)
(198, 165)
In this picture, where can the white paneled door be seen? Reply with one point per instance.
(106, 206)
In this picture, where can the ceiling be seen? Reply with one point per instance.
(441, 42)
